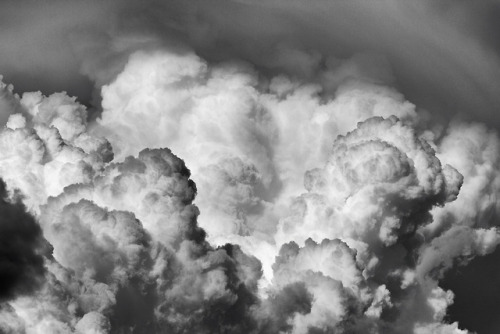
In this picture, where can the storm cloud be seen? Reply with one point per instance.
(248, 166)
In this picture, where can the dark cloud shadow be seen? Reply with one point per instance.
(21, 249)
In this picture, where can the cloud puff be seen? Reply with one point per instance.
(234, 128)
(45, 146)
(467, 226)
(376, 191)
(380, 182)
(329, 273)
(105, 258)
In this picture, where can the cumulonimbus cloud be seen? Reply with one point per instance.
(236, 184)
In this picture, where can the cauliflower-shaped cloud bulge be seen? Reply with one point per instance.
(380, 182)
(332, 294)
(247, 139)
(469, 225)
(377, 189)
(329, 274)
(45, 146)
(105, 258)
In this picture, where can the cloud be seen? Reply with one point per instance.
(127, 232)
(329, 273)
(234, 129)
(45, 146)
(379, 184)
(105, 258)
(246, 166)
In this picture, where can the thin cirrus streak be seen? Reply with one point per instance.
(247, 167)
